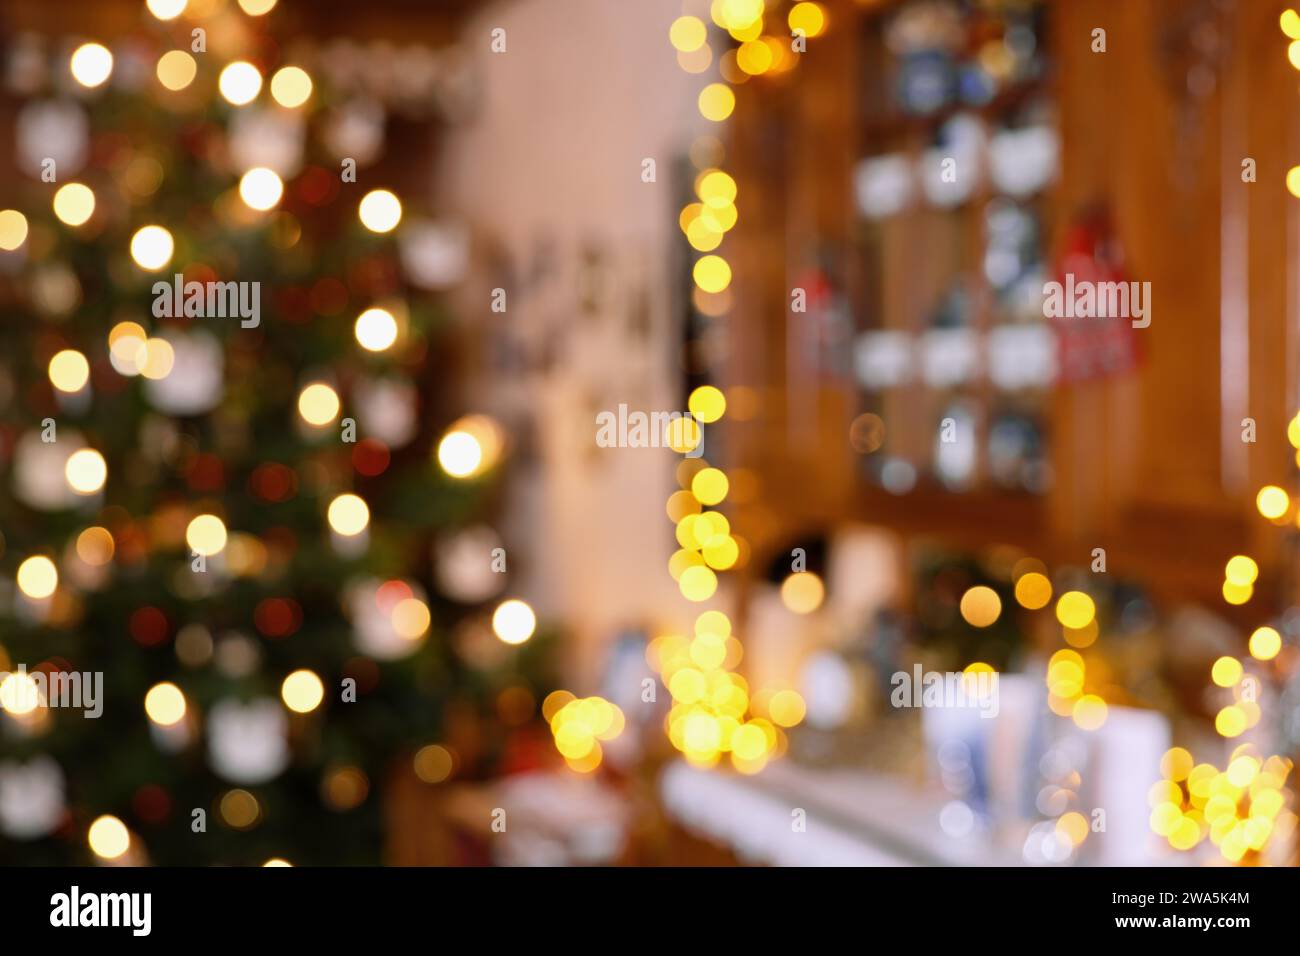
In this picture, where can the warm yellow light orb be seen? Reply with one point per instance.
(349, 515)
(1033, 590)
(697, 583)
(980, 606)
(1265, 644)
(91, 64)
(803, 592)
(712, 273)
(683, 434)
(176, 69)
(754, 57)
(716, 189)
(95, 546)
(716, 101)
(86, 471)
(1237, 593)
(1226, 671)
(74, 203)
(38, 577)
(709, 486)
(1241, 570)
(152, 248)
(808, 17)
(1089, 712)
(166, 9)
(376, 329)
(257, 8)
(69, 371)
(302, 691)
(411, 618)
(1231, 721)
(318, 404)
(1176, 764)
(291, 86)
(513, 621)
(687, 34)
(1075, 610)
(707, 403)
(1272, 501)
(13, 229)
(239, 83)
(260, 188)
(460, 454)
(20, 694)
(433, 763)
(108, 837)
(206, 535)
(1293, 181)
(786, 708)
(380, 211)
(164, 704)
(160, 358)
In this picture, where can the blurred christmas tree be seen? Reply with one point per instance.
(237, 515)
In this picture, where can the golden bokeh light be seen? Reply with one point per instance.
(513, 621)
(166, 9)
(707, 403)
(348, 515)
(91, 64)
(1076, 610)
(709, 486)
(176, 70)
(13, 229)
(687, 34)
(375, 329)
(697, 583)
(1226, 671)
(318, 404)
(1265, 643)
(206, 535)
(380, 211)
(460, 455)
(803, 592)
(152, 248)
(108, 837)
(69, 371)
(1033, 590)
(980, 606)
(165, 704)
(291, 86)
(37, 577)
(1272, 501)
(95, 546)
(712, 273)
(260, 188)
(716, 101)
(302, 691)
(239, 83)
(74, 204)
(86, 471)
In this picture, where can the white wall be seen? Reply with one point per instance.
(585, 90)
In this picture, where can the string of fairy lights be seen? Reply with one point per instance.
(467, 449)
(713, 714)
(1241, 807)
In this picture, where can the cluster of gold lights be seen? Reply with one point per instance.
(1238, 808)
(579, 725)
(1068, 683)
